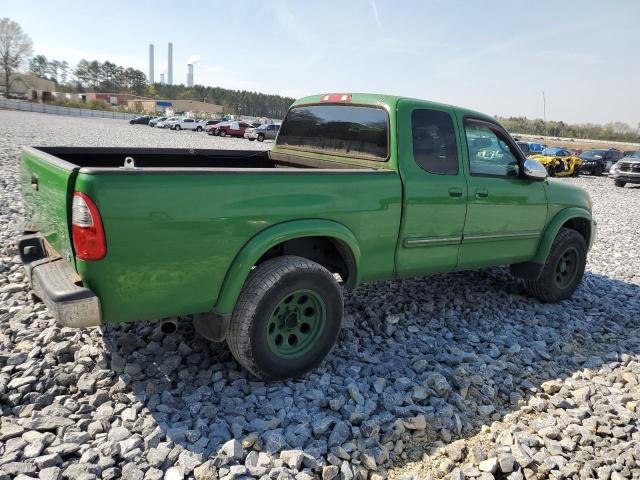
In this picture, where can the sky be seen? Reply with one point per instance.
(494, 56)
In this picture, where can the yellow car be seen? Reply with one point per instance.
(559, 162)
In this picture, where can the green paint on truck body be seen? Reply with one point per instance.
(183, 241)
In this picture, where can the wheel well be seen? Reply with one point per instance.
(580, 225)
(331, 253)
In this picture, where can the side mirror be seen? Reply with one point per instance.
(534, 170)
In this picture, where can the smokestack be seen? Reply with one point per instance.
(151, 80)
(162, 78)
(170, 64)
(190, 75)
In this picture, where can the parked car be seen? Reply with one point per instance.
(598, 161)
(524, 146)
(186, 124)
(559, 162)
(209, 123)
(143, 120)
(165, 123)
(125, 234)
(626, 170)
(232, 129)
(535, 148)
(154, 121)
(262, 133)
(213, 129)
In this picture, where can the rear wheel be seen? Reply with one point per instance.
(222, 133)
(287, 318)
(178, 127)
(620, 183)
(551, 170)
(563, 270)
(198, 129)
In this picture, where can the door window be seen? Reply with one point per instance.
(434, 145)
(490, 153)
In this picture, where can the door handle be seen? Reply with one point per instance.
(482, 192)
(455, 192)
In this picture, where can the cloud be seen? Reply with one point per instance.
(193, 59)
(374, 8)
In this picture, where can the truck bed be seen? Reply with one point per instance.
(92, 159)
(175, 222)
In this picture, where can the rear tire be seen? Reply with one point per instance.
(620, 183)
(198, 129)
(178, 127)
(563, 269)
(223, 133)
(287, 318)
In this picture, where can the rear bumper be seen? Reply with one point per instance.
(55, 281)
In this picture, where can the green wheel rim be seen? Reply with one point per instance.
(295, 325)
(567, 268)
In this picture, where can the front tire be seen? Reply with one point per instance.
(178, 127)
(619, 183)
(287, 318)
(260, 137)
(223, 133)
(198, 129)
(563, 270)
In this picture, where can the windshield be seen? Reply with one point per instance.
(551, 151)
(595, 154)
(636, 154)
(348, 130)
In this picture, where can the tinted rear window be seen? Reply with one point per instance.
(348, 130)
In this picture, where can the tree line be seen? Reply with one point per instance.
(239, 102)
(617, 131)
(89, 74)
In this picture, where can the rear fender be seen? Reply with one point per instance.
(272, 236)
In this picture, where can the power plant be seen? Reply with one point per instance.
(190, 75)
(151, 63)
(168, 73)
(170, 64)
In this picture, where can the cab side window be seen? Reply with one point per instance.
(434, 144)
(489, 152)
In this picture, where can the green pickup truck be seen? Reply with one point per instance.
(258, 246)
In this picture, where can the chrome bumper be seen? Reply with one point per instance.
(57, 284)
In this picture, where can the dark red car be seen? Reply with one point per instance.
(232, 129)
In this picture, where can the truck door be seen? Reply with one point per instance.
(506, 212)
(435, 189)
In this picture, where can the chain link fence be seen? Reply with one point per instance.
(25, 106)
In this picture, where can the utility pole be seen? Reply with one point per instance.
(544, 113)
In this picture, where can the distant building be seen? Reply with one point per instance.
(190, 106)
(28, 86)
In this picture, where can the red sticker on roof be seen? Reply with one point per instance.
(335, 97)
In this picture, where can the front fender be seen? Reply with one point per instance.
(269, 238)
(554, 226)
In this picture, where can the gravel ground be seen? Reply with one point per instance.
(457, 375)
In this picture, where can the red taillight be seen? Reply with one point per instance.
(86, 229)
(336, 97)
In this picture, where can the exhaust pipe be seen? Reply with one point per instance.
(169, 327)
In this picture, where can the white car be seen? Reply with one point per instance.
(165, 123)
(186, 124)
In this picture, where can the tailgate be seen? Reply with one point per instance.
(47, 184)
